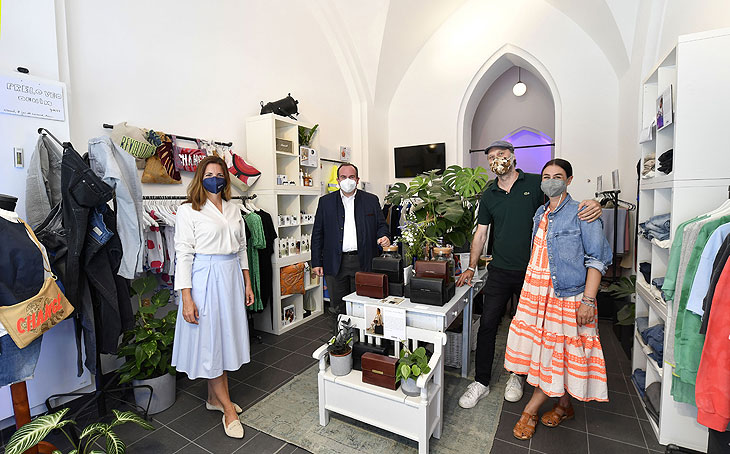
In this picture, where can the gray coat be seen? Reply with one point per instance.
(43, 183)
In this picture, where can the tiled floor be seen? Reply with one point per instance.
(187, 427)
(618, 426)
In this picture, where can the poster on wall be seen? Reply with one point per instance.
(664, 109)
(345, 154)
(31, 98)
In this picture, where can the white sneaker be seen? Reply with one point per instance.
(513, 391)
(473, 394)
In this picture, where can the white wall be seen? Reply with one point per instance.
(426, 105)
(500, 112)
(187, 68)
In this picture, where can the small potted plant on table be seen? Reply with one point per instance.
(340, 349)
(411, 365)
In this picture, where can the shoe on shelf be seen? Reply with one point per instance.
(473, 394)
(513, 390)
(234, 429)
(212, 407)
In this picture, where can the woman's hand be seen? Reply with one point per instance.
(249, 296)
(190, 310)
(585, 314)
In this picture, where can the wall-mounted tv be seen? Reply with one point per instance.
(416, 159)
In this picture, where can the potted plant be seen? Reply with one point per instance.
(340, 349)
(306, 135)
(411, 365)
(623, 292)
(147, 348)
(30, 434)
(442, 208)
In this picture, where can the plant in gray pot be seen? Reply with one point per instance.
(147, 347)
(340, 349)
(411, 365)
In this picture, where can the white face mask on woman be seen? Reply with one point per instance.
(348, 185)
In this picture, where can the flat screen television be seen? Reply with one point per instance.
(417, 159)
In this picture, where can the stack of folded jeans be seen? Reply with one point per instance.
(665, 161)
(639, 379)
(656, 227)
(654, 338)
(645, 270)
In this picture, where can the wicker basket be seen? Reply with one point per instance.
(452, 353)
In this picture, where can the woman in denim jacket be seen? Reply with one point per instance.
(553, 339)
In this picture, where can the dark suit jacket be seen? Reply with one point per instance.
(329, 225)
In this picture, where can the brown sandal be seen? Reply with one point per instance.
(525, 427)
(553, 419)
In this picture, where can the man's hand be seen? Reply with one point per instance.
(318, 270)
(465, 278)
(384, 241)
(589, 210)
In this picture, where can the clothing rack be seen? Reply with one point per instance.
(50, 134)
(612, 196)
(225, 144)
(484, 150)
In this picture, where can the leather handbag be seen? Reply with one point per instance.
(291, 278)
(396, 289)
(428, 290)
(187, 159)
(243, 174)
(29, 319)
(379, 370)
(160, 167)
(391, 266)
(432, 268)
(373, 285)
(360, 348)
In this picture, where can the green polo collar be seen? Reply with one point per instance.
(495, 186)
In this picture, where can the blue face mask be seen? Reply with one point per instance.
(214, 185)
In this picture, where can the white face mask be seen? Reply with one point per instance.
(348, 185)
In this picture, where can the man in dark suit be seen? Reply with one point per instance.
(348, 228)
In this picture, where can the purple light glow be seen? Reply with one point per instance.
(530, 160)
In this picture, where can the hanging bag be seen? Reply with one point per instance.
(243, 174)
(160, 167)
(29, 319)
(187, 159)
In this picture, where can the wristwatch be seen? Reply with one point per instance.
(472, 270)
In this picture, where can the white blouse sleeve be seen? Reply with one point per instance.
(184, 248)
(242, 254)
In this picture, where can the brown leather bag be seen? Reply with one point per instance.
(373, 285)
(379, 370)
(291, 278)
(432, 268)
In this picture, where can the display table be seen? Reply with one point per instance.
(417, 418)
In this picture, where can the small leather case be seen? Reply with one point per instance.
(360, 348)
(379, 370)
(432, 268)
(390, 266)
(373, 285)
(395, 288)
(428, 290)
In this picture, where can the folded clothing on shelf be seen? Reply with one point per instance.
(656, 227)
(645, 270)
(665, 161)
(654, 338)
(642, 323)
(658, 282)
(639, 379)
(649, 164)
(652, 400)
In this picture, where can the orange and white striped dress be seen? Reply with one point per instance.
(545, 342)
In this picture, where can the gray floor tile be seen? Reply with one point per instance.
(309, 347)
(271, 355)
(503, 447)
(650, 437)
(617, 383)
(268, 338)
(196, 423)
(291, 343)
(559, 440)
(313, 333)
(199, 389)
(269, 379)
(300, 451)
(617, 403)
(289, 449)
(131, 432)
(245, 395)
(295, 363)
(603, 445)
(183, 404)
(577, 423)
(257, 346)
(192, 448)
(161, 441)
(639, 407)
(261, 444)
(216, 440)
(615, 427)
(246, 371)
(504, 431)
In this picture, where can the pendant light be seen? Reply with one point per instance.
(520, 88)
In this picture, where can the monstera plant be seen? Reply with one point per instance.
(440, 208)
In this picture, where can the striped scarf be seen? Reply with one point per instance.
(256, 242)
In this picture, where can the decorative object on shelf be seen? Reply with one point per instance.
(664, 109)
(411, 365)
(30, 434)
(147, 348)
(372, 285)
(345, 154)
(439, 206)
(292, 279)
(308, 157)
(306, 135)
(243, 174)
(379, 370)
(286, 107)
(340, 349)
(284, 145)
(289, 314)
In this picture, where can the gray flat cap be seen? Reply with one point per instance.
(500, 144)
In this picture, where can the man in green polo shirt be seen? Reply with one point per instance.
(508, 203)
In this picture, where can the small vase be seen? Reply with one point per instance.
(341, 364)
(409, 387)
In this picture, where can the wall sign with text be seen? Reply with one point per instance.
(31, 98)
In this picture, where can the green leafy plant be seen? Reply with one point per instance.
(411, 364)
(306, 135)
(147, 347)
(442, 207)
(341, 342)
(32, 433)
(625, 287)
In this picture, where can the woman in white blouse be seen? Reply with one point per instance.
(211, 335)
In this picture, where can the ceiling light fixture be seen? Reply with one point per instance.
(520, 88)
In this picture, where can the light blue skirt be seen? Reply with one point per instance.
(219, 341)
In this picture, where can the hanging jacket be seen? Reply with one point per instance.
(43, 182)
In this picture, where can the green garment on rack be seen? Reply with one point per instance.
(688, 341)
(255, 243)
(674, 253)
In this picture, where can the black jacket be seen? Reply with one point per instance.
(329, 225)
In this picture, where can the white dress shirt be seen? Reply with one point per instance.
(207, 231)
(349, 236)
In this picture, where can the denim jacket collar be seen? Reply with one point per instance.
(567, 199)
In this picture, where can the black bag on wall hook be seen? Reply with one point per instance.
(286, 107)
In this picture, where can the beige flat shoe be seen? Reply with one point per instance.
(234, 429)
(212, 407)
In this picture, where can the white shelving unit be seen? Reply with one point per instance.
(261, 134)
(698, 183)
